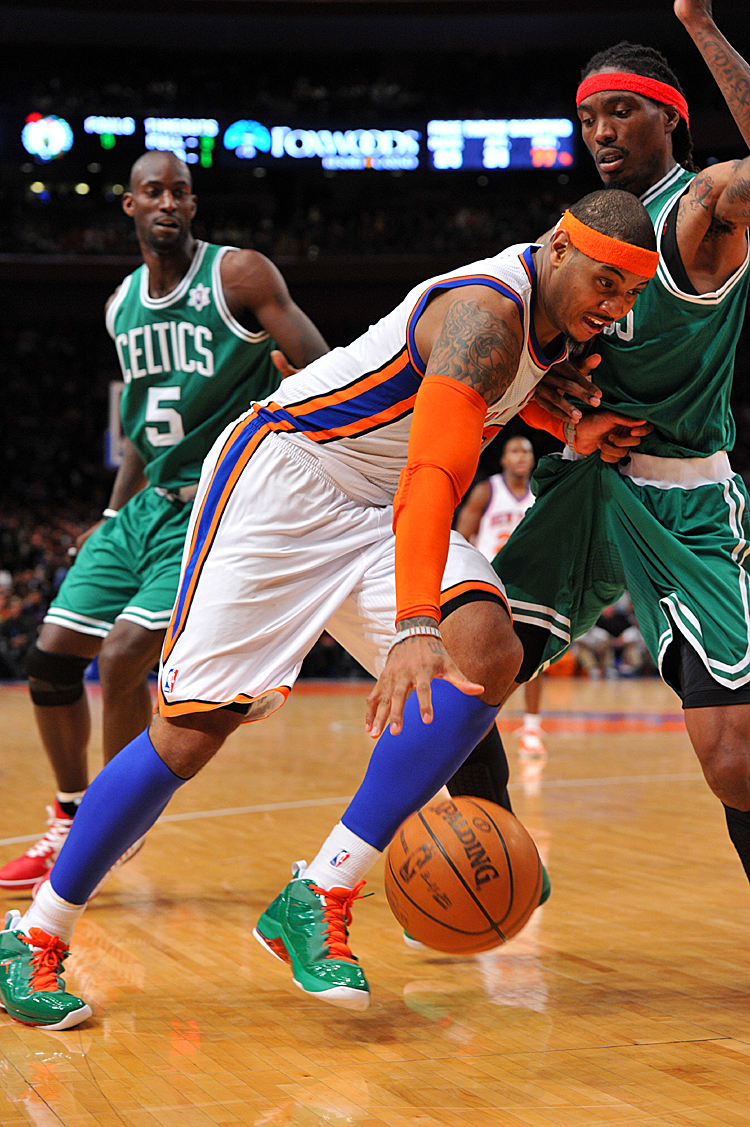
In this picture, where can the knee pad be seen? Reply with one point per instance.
(55, 678)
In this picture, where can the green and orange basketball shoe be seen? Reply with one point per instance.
(31, 987)
(307, 927)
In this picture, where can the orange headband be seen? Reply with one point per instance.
(603, 248)
(636, 84)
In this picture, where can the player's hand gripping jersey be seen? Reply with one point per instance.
(188, 366)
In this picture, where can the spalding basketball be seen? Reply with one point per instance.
(462, 875)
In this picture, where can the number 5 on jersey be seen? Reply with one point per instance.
(155, 413)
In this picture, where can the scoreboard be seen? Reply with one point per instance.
(438, 145)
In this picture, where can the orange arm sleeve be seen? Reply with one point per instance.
(444, 444)
(536, 416)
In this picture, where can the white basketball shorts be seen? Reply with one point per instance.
(275, 554)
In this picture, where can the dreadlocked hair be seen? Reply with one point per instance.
(649, 63)
(618, 214)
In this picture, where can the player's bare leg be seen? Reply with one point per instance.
(56, 665)
(720, 736)
(127, 656)
(65, 728)
(532, 754)
(480, 638)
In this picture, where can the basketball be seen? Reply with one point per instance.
(462, 875)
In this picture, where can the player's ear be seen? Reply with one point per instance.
(671, 119)
(558, 246)
(194, 206)
(127, 203)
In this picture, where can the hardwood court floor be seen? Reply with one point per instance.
(624, 1003)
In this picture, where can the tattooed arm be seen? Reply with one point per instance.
(472, 335)
(730, 70)
(712, 224)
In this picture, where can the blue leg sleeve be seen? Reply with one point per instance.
(122, 803)
(406, 770)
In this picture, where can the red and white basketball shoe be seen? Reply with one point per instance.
(127, 855)
(36, 862)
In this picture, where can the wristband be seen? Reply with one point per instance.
(414, 632)
(110, 513)
(569, 430)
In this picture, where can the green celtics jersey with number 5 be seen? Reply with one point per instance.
(188, 366)
(671, 360)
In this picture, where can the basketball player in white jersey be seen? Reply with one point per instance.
(492, 510)
(329, 506)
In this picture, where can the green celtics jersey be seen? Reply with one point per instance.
(188, 366)
(671, 360)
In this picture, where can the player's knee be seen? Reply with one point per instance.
(125, 660)
(727, 770)
(484, 645)
(55, 679)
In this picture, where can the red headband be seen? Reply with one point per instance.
(603, 248)
(637, 84)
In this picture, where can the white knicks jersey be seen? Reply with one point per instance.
(352, 408)
(503, 514)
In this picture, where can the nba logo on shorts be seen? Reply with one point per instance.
(169, 680)
(340, 857)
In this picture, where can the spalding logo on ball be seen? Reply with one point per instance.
(462, 875)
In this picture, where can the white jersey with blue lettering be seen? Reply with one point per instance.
(352, 408)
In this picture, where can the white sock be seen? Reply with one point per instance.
(343, 860)
(532, 722)
(52, 914)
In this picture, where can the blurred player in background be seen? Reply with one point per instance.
(194, 328)
(492, 510)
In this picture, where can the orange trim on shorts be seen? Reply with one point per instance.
(184, 708)
(474, 585)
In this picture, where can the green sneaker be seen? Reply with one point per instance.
(31, 988)
(306, 927)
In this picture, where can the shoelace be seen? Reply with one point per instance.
(338, 916)
(47, 959)
(54, 837)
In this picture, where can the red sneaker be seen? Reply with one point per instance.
(127, 855)
(26, 870)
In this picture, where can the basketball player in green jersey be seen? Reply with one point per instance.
(672, 524)
(194, 328)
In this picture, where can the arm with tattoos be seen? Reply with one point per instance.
(731, 71)
(712, 222)
(715, 212)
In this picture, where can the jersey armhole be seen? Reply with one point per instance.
(114, 305)
(221, 304)
(671, 253)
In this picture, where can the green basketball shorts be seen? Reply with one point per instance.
(129, 568)
(674, 532)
